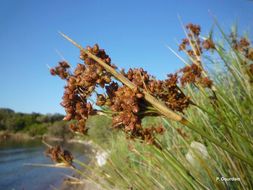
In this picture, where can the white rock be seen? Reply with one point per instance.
(197, 151)
(101, 157)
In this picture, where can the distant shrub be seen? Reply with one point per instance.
(34, 123)
(15, 123)
(100, 130)
(36, 129)
(60, 129)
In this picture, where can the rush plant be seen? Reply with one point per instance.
(202, 134)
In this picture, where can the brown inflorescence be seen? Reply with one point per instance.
(58, 155)
(190, 74)
(165, 90)
(192, 43)
(184, 44)
(127, 106)
(243, 46)
(173, 97)
(208, 44)
(193, 74)
(240, 45)
(61, 70)
(80, 85)
(194, 47)
(194, 28)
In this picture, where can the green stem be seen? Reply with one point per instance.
(225, 124)
(217, 143)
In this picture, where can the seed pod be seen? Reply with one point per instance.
(139, 95)
(108, 60)
(95, 49)
(68, 117)
(208, 44)
(53, 71)
(136, 109)
(64, 64)
(250, 54)
(107, 79)
(159, 130)
(89, 48)
(88, 61)
(72, 87)
(72, 80)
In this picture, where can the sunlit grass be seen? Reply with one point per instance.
(207, 146)
(189, 159)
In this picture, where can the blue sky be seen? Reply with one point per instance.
(134, 33)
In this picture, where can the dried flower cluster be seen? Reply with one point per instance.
(165, 90)
(130, 106)
(243, 46)
(80, 85)
(58, 155)
(61, 70)
(208, 44)
(193, 74)
(194, 46)
(127, 106)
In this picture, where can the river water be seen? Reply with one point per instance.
(15, 175)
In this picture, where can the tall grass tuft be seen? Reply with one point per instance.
(207, 145)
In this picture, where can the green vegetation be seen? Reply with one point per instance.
(34, 124)
(100, 130)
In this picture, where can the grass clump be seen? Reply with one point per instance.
(192, 130)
